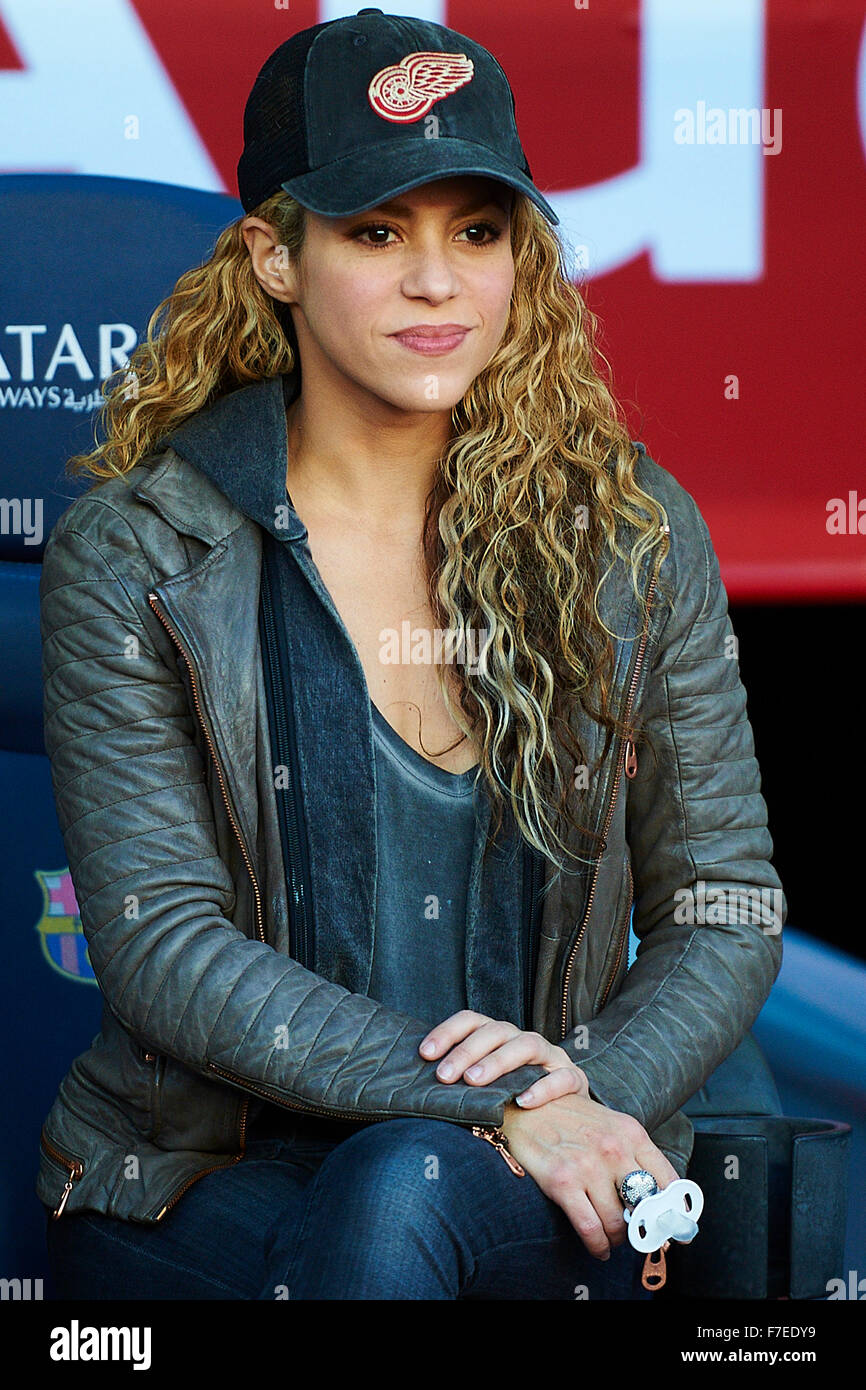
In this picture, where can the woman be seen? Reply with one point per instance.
(327, 878)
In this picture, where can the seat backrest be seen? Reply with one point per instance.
(85, 263)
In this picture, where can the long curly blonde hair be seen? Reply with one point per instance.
(535, 486)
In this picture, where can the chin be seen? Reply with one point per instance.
(418, 400)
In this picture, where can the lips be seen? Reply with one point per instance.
(432, 338)
(432, 330)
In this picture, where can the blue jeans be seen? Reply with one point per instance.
(398, 1209)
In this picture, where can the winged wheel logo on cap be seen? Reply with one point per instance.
(405, 91)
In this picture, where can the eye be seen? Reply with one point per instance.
(360, 232)
(491, 233)
(489, 227)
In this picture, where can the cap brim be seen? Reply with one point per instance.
(366, 178)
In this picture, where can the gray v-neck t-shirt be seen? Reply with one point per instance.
(425, 824)
(425, 828)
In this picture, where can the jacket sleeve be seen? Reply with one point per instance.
(154, 895)
(694, 816)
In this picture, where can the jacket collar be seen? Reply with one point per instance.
(239, 444)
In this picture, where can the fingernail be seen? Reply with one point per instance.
(446, 1069)
(475, 1071)
(427, 1048)
(524, 1099)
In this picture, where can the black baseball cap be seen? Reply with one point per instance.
(349, 113)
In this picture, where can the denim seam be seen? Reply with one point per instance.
(139, 1250)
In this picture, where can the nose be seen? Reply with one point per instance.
(431, 274)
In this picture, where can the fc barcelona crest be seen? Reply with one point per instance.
(63, 942)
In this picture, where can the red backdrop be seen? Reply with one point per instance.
(763, 467)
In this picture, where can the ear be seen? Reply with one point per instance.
(272, 265)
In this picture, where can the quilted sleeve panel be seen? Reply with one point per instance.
(709, 905)
(138, 829)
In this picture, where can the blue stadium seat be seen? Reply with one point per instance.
(86, 261)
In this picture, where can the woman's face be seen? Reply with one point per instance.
(438, 256)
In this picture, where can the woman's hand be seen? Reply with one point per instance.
(478, 1049)
(578, 1152)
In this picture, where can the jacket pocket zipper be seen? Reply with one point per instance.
(75, 1167)
(627, 761)
(623, 937)
(156, 1060)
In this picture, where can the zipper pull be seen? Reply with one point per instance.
(75, 1172)
(655, 1269)
(630, 759)
(495, 1136)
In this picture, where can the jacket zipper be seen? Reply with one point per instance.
(629, 762)
(278, 1097)
(75, 1166)
(499, 1141)
(301, 943)
(157, 1061)
(227, 1163)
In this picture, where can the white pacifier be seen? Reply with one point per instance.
(654, 1216)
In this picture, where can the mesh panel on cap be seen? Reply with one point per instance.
(275, 132)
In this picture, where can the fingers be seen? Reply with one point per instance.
(450, 1031)
(637, 1150)
(562, 1081)
(609, 1209)
(494, 1049)
(558, 1057)
(471, 1058)
(595, 1214)
(583, 1078)
(478, 1050)
(585, 1220)
(653, 1160)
